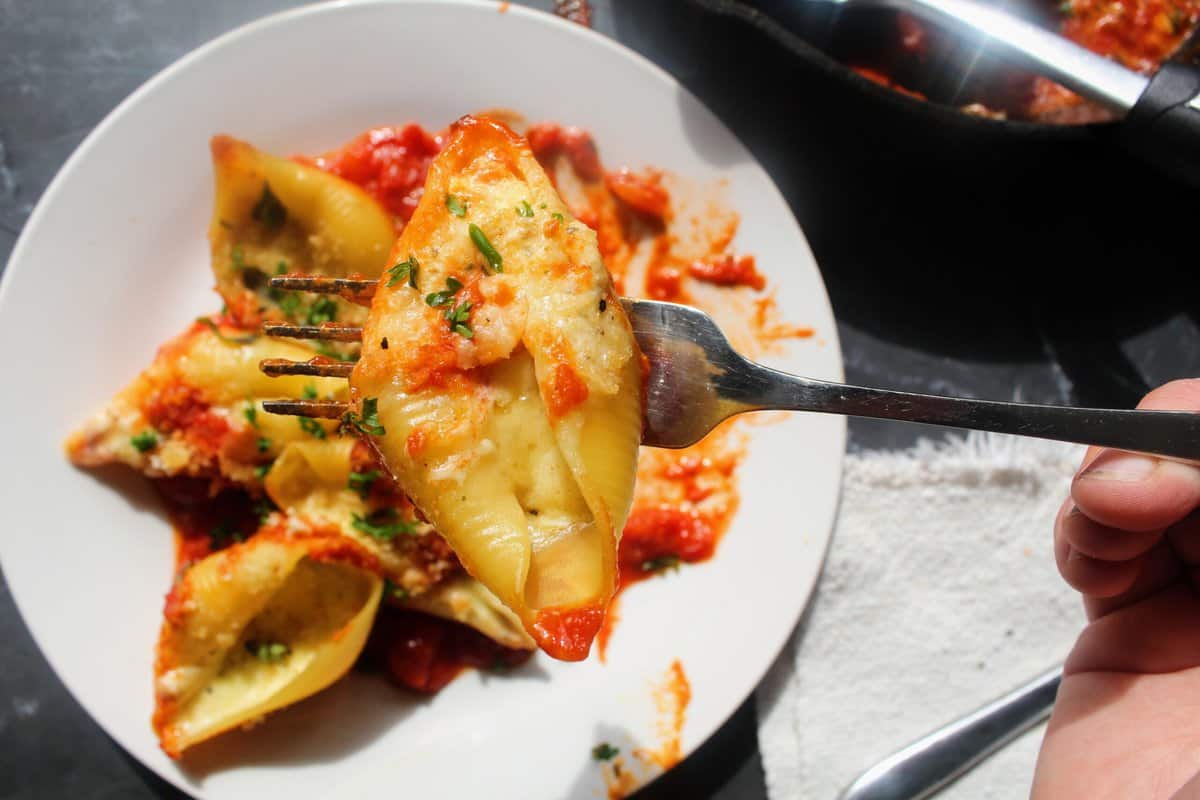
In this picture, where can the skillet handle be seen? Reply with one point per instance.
(1163, 127)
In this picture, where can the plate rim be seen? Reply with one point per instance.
(81, 151)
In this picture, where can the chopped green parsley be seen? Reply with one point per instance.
(323, 309)
(446, 296)
(208, 323)
(223, 533)
(485, 246)
(367, 423)
(289, 303)
(239, 259)
(405, 270)
(263, 509)
(362, 482)
(456, 206)
(384, 524)
(311, 427)
(605, 752)
(524, 209)
(660, 564)
(268, 652)
(457, 315)
(144, 441)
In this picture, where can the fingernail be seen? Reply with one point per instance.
(1122, 467)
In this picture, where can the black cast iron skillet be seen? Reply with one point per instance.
(1162, 127)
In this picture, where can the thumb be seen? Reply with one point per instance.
(1135, 492)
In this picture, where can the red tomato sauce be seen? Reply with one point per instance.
(424, 653)
(179, 407)
(664, 275)
(685, 502)
(567, 634)
(577, 11)
(875, 76)
(672, 698)
(389, 163)
(729, 271)
(643, 193)
(769, 327)
(204, 522)
(1140, 34)
(549, 139)
(566, 390)
(430, 363)
(657, 539)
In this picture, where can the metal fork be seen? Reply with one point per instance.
(933, 762)
(697, 380)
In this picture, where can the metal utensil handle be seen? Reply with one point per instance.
(1161, 122)
(927, 765)
(1091, 75)
(1163, 128)
(1166, 433)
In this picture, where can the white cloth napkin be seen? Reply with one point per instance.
(939, 594)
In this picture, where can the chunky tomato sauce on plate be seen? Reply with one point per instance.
(389, 163)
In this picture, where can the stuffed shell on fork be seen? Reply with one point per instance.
(499, 383)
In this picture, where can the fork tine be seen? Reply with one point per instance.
(356, 290)
(320, 409)
(321, 367)
(327, 330)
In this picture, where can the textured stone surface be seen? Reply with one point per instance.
(974, 265)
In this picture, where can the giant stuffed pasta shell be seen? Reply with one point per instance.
(507, 384)
(310, 480)
(273, 215)
(197, 410)
(254, 628)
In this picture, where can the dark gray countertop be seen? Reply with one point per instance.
(957, 263)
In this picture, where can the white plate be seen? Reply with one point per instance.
(113, 261)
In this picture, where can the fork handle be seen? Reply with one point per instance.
(929, 764)
(1174, 434)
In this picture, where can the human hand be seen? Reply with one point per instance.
(1127, 720)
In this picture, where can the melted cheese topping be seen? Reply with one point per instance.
(516, 433)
